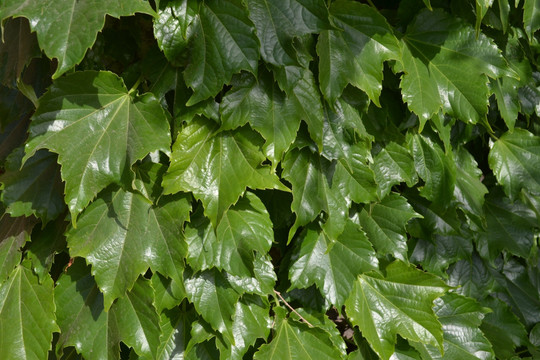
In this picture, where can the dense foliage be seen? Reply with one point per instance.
(269, 179)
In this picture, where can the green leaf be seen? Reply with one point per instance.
(268, 110)
(244, 230)
(14, 233)
(531, 17)
(460, 318)
(482, 6)
(295, 340)
(398, 303)
(35, 188)
(278, 22)
(510, 226)
(27, 316)
(469, 191)
(506, 92)
(393, 165)
(251, 322)
(46, 243)
(331, 264)
(217, 168)
(225, 44)
(214, 299)
(174, 18)
(515, 160)
(175, 328)
(167, 292)
(132, 236)
(445, 63)
(354, 53)
(17, 49)
(138, 320)
(67, 29)
(113, 130)
(384, 223)
(471, 277)
(503, 329)
(437, 169)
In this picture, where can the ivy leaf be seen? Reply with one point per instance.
(510, 226)
(133, 236)
(244, 230)
(531, 17)
(174, 18)
(445, 63)
(437, 169)
(471, 277)
(278, 22)
(251, 322)
(469, 191)
(175, 326)
(229, 162)
(331, 264)
(460, 318)
(393, 165)
(138, 320)
(46, 243)
(354, 53)
(384, 224)
(515, 160)
(113, 130)
(27, 315)
(214, 299)
(34, 189)
(14, 233)
(225, 44)
(268, 110)
(66, 29)
(167, 292)
(503, 328)
(294, 340)
(398, 303)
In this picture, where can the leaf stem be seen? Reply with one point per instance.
(136, 85)
(292, 309)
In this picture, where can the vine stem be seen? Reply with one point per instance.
(291, 308)
(136, 85)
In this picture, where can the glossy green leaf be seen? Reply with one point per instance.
(174, 18)
(515, 160)
(277, 23)
(113, 129)
(471, 277)
(331, 264)
(354, 52)
(445, 63)
(214, 299)
(531, 17)
(175, 333)
(227, 163)
(14, 233)
(67, 29)
(503, 329)
(27, 316)
(510, 226)
(482, 6)
(437, 169)
(35, 188)
(460, 318)
(261, 103)
(384, 223)
(506, 92)
(393, 165)
(398, 303)
(46, 243)
(167, 292)
(295, 340)
(137, 236)
(469, 191)
(251, 322)
(226, 44)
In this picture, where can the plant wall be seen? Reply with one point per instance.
(269, 179)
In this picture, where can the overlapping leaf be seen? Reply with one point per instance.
(226, 43)
(14, 233)
(217, 168)
(331, 264)
(446, 65)
(134, 236)
(27, 316)
(66, 29)
(398, 303)
(354, 53)
(113, 130)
